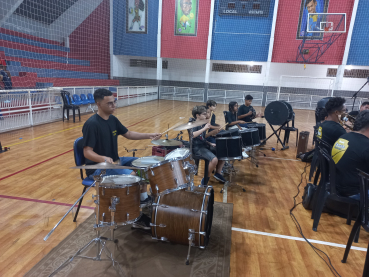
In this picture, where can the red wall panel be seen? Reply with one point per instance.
(184, 47)
(90, 40)
(286, 44)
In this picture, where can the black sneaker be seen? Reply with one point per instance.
(142, 223)
(219, 177)
(146, 201)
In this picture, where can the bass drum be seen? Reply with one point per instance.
(278, 112)
(174, 214)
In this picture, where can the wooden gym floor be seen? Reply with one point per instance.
(37, 188)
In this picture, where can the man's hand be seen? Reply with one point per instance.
(108, 160)
(213, 144)
(207, 126)
(241, 122)
(155, 136)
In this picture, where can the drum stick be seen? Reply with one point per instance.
(175, 125)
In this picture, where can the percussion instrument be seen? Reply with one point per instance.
(229, 148)
(145, 162)
(260, 127)
(167, 176)
(228, 133)
(250, 137)
(190, 125)
(103, 165)
(178, 215)
(166, 142)
(278, 112)
(184, 155)
(127, 189)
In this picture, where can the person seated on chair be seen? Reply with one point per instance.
(246, 112)
(214, 128)
(351, 152)
(330, 130)
(100, 140)
(231, 118)
(364, 106)
(5, 76)
(203, 148)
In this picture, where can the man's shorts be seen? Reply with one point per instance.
(206, 153)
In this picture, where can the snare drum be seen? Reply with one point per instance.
(229, 148)
(127, 189)
(183, 154)
(228, 133)
(145, 162)
(176, 213)
(250, 137)
(167, 176)
(261, 128)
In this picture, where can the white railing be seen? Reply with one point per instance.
(222, 96)
(25, 108)
(181, 94)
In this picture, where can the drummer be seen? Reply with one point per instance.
(231, 118)
(100, 138)
(203, 148)
(246, 112)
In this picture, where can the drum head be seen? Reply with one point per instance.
(178, 153)
(145, 162)
(119, 181)
(276, 113)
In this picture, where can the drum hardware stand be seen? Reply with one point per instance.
(230, 183)
(134, 151)
(275, 132)
(100, 242)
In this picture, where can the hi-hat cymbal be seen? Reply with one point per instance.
(190, 125)
(167, 142)
(103, 165)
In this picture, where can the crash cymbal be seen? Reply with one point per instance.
(103, 165)
(190, 125)
(167, 142)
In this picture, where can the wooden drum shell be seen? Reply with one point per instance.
(129, 203)
(180, 211)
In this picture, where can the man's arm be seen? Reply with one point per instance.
(89, 153)
(212, 133)
(244, 115)
(199, 132)
(138, 136)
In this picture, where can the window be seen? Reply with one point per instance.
(146, 63)
(237, 68)
(353, 73)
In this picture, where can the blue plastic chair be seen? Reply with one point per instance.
(84, 99)
(79, 159)
(77, 100)
(90, 98)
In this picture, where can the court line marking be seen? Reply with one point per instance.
(41, 201)
(298, 239)
(24, 169)
(64, 130)
(280, 159)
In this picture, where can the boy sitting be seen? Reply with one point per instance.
(203, 148)
(211, 106)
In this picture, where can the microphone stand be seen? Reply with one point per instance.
(355, 94)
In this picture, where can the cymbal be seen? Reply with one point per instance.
(103, 165)
(190, 125)
(167, 142)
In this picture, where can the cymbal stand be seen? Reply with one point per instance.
(230, 183)
(134, 151)
(275, 132)
(100, 242)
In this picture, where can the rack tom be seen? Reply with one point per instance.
(183, 155)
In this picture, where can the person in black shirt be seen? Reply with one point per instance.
(246, 112)
(100, 138)
(330, 130)
(231, 117)
(351, 152)
(211, 106)
(364, 106)
(203, 148)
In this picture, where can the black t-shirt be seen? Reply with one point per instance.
(102, 136)
(212, 122)
(200, 140)
(243, 109)
(231, 117)
(330, 131)
(350, 152)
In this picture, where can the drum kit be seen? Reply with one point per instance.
(180, 213)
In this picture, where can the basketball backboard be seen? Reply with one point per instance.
(326, 23)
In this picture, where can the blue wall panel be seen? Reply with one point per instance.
(237, 38)
(135, 44)
(359, 54)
